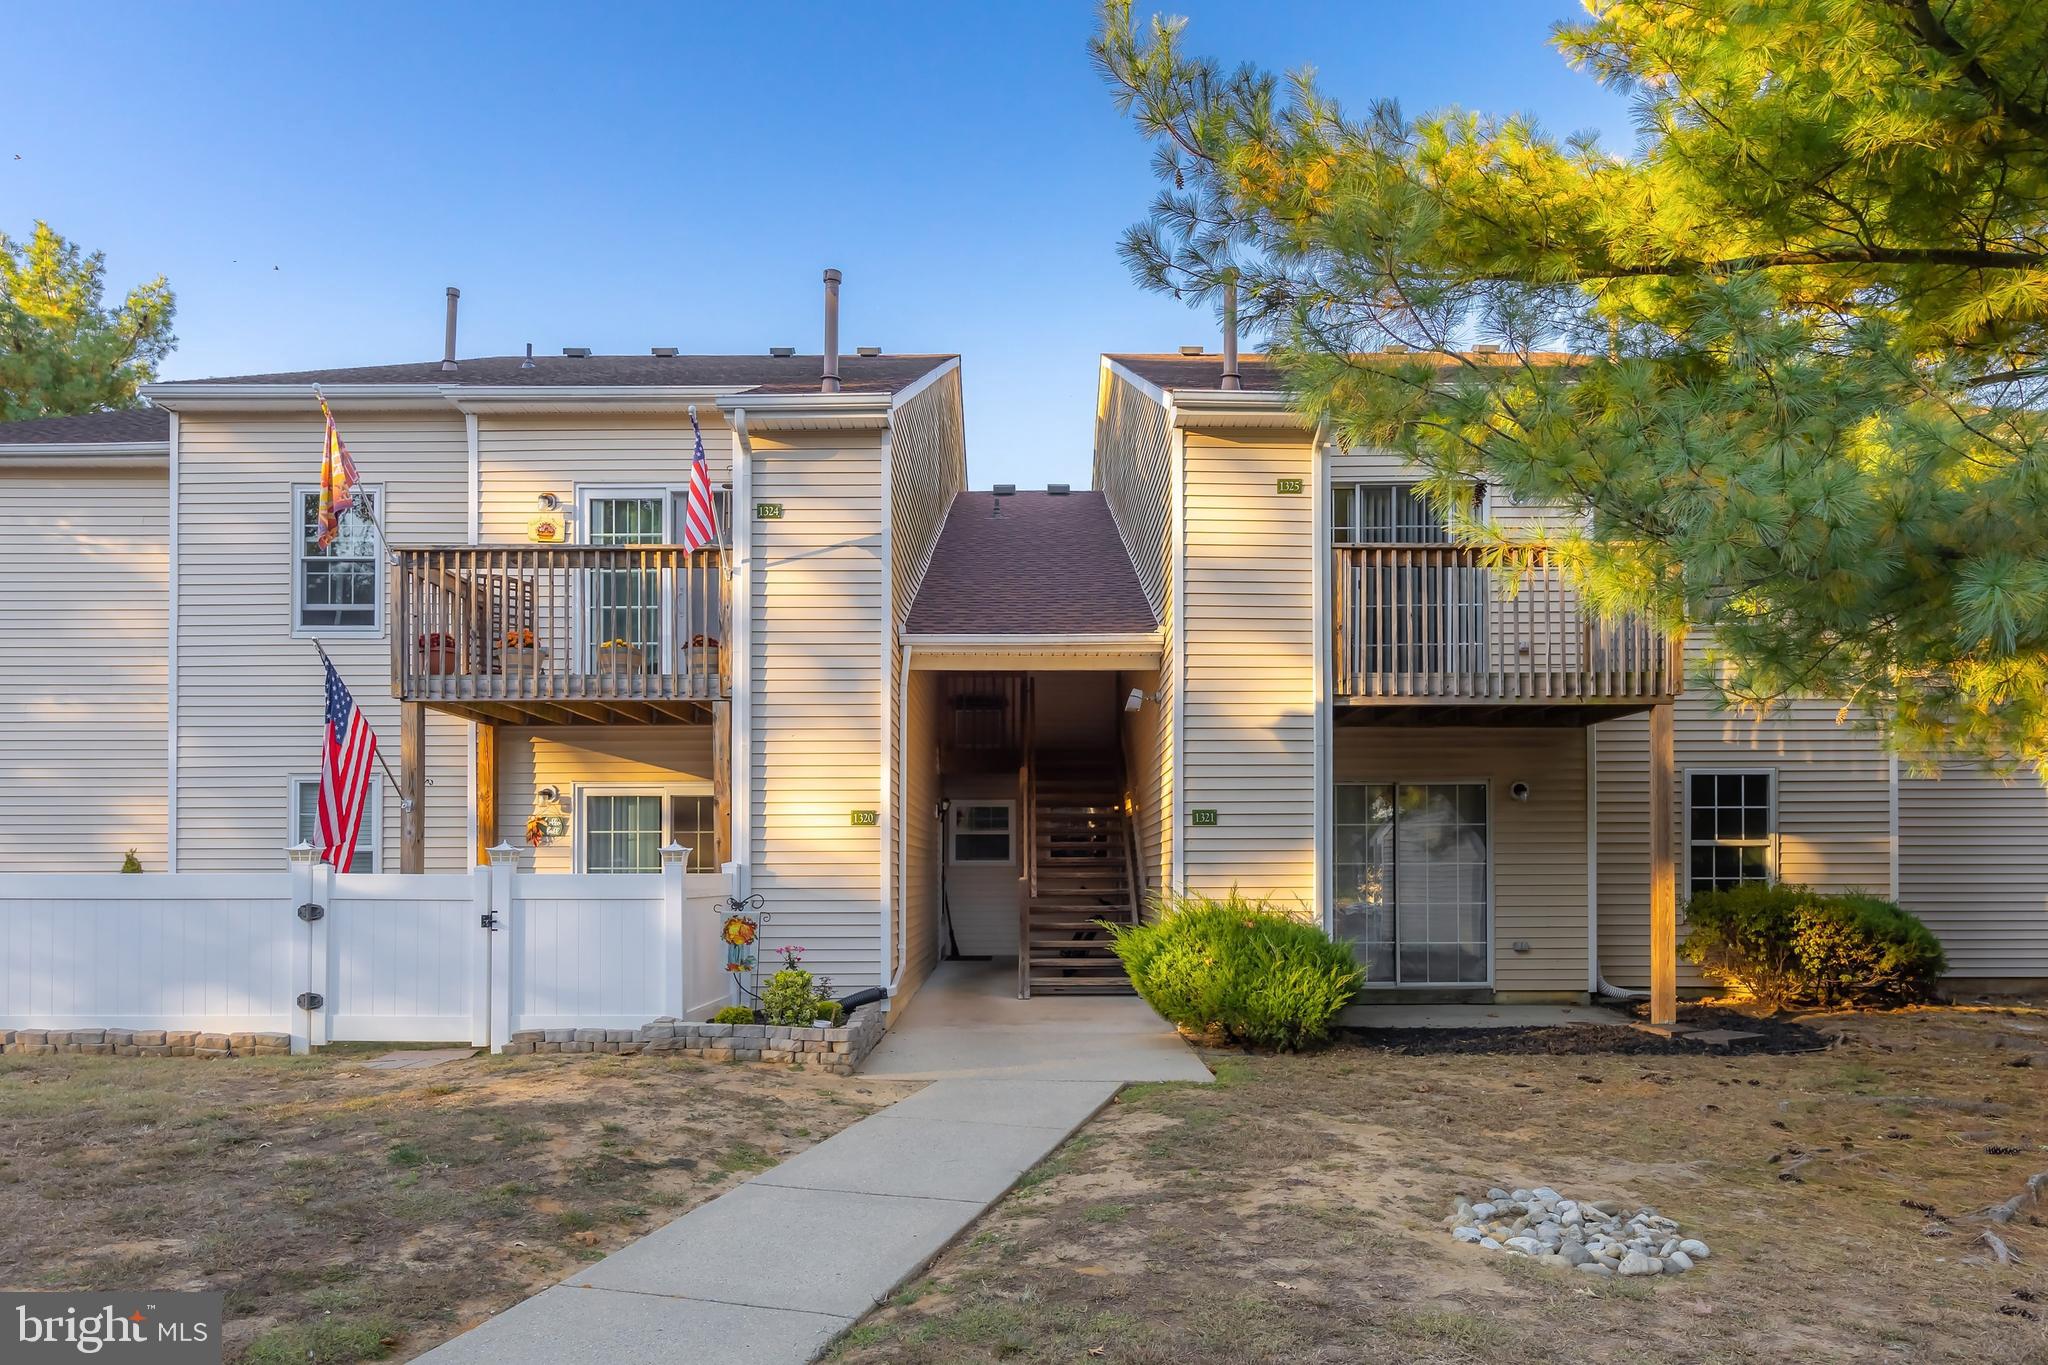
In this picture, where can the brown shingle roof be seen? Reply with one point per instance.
(1257, 375)
(1050, 564)
(763, 373)
(126, 427)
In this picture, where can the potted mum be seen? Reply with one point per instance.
(517, 653)
(437, 652)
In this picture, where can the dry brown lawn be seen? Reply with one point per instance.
(1292, 1211)
(351, 1214)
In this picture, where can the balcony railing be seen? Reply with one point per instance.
(1432, 623)
(560, 624)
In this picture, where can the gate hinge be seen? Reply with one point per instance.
(311, 1000)
(488, 920)
(310, 912)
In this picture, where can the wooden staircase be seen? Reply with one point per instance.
(1081, 871)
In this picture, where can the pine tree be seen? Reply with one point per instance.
(1781, 366)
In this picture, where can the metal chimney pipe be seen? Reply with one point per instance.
(448, 338)
(1231, 379)
(830, 383)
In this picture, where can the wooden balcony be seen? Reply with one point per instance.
(1431, 628)
(560, 634)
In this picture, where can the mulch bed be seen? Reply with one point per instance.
(1777, 1037)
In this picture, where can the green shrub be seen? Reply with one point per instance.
(130, 862)
(733, 1014)
(832, 1010)
(1788, 945)
(1865, 948)
(1257, 974)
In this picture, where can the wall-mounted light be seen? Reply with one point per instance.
(549, 502)
(1136, 700)
(550, 795)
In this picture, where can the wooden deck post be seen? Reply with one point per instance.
(721, 783)
(486, 778)
(1663, 869)
(412, 777)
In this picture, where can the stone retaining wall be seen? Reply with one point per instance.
(838, 1050)
(136, 1042)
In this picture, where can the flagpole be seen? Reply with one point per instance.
(404, 801)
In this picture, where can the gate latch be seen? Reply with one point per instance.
(311, 1000)
(488, 920)
(310, 912)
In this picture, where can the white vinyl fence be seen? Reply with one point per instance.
(375, 957)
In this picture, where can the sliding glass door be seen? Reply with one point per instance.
(1412, 885)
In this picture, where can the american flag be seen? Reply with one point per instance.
(337, 484)
(344, 773)
(700, 521)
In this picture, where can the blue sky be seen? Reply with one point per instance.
(619, 177)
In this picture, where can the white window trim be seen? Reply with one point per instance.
(302, 631)
(1769, 843)
(1492, 863)
(953, 833)
(671, 533)
(579, 810)
(373, 816)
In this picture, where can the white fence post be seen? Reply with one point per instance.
(299, 863)
(504, 865)
(320, 1022)
(481, 878)
(675, 860)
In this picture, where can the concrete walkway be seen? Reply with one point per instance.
(771, 1272)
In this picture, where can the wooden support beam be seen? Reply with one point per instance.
(412, 778)
(486, 778)
(721, 785)
(1663, 868)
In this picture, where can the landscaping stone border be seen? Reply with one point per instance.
(137, 1042)
(837, 1050)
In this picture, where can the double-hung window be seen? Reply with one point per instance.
(305, 823)
(981, 831)
(624, 829)
(1731, 826)
(338, 590)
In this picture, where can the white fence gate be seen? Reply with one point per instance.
(466, 956)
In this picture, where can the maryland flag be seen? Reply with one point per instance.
(337, 481)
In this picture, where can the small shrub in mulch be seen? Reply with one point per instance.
(1775, 1037)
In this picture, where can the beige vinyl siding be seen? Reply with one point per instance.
(521, 456)
(249, 692)
(82, 673)
(927, 466)
(1148, 757)
(1973, 864)
(1134, 472)
(820, 601)
(1248, 740)
(532, 757)
(1833, 800)
(1538, 846)
(920, 891)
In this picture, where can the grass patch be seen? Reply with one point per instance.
(330, 1341)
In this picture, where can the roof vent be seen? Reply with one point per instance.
(665, 352)
(782, 352)
(1486, 348)
(1006, 490)
(1058, 489)
(1190, 350)
(527, 363)
(869, 351)
(576, 352)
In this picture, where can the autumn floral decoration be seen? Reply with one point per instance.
(739, 934)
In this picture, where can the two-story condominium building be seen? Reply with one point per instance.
(919, 722)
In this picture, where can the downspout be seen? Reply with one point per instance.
(886, 901)
(740, 626)
(901, 825)
(171, 661)
(1597, 985)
